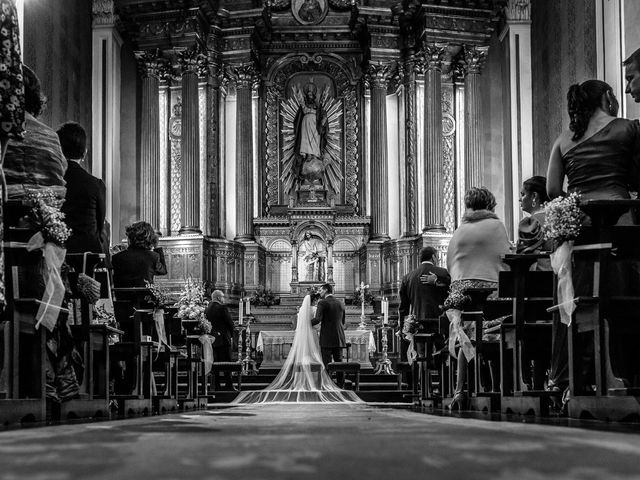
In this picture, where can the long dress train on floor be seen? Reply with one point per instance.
(303, 378)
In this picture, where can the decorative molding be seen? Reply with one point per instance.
(411, 142)
(448, 154)
(474, 58)
(243, 75)
(379, 74)
(151, 64)
(193, 60)
(518, 10)
(103, 13)
(434, 55)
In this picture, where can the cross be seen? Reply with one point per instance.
(362, 287)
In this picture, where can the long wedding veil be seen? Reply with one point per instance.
(303, 378)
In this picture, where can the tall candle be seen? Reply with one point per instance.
(248, 307)
(385, 311)
(240, 313)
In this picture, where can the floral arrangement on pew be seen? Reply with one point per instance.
(410, 327)
(191, 306)
(159, 297)
(45, 216)
(101, 315)
(563, 221)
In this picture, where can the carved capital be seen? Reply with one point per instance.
(473, 60)
(243, 75)
(518, 10)
(379, 74)
(103, 13)
(151, 64)
(434, 55)
(192, 60)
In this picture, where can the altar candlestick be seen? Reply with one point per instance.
(248, 307)
(240, 313)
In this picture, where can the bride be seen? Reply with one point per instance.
(303, 377)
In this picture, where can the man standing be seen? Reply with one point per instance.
(330, 314)
(84, 205)
(222, 329)
(632, 75)
(424, 289)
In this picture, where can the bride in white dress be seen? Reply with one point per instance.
(303, 378)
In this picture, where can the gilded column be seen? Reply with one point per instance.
(433, 169)
(474, 58)
(244, 76)
(213, 148)
(192, 63)
(151, 68)
(378, 77)
(411, 68)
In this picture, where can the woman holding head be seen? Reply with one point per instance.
(141, 261)
(599, 152)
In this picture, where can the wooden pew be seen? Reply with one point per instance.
(525, 344)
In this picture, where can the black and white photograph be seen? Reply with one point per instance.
(319, 239)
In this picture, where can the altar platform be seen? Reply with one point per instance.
(275, 346)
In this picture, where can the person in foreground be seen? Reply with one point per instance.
(303, 378)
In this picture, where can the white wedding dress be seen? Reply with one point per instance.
(303, 378)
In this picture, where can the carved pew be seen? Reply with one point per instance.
(525, 344)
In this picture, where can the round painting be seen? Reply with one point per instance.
(309, 12)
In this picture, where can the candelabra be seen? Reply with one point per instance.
(248, 364)
(363, 319)
(384, 364)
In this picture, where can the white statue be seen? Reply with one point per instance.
(314, 255)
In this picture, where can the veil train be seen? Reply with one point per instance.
(303, 378)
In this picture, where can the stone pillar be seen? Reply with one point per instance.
(192, 63)
(474, 58)
(378, 77)
(517, 37)
(105, 107)
(213, 150)
(410, 224)
(294, 262)
(244, 76)
(330, 262)
(433, 169)
(151, 68)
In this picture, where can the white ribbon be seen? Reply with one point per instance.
(561, 264)
(158, 318)
(411, 349)
(50, 304)
(207, 352)
(457, 333)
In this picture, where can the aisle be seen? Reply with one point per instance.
(316, 441)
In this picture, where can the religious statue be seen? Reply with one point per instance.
(310, 11)
(312, 134)
(310, 127)
(314, 254)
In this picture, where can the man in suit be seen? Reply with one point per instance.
(632, 75)
(330, 314)
(222, 329)
(84, 205)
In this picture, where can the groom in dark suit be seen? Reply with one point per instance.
(331, 317)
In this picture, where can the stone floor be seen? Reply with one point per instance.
(317, 441)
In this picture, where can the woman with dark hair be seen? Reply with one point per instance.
(474, 259)
(598, 153)
(533, 196)
(37, 160)
(131, 267)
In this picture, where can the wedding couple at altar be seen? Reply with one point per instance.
(304, 377)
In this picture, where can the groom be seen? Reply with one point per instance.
(331, 317)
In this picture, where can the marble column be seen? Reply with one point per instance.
(378, 76)
(213, 149)
(433, 168)
(410, 70)
(474, 58)
(151, 68)
(192, 64)
(244, 76)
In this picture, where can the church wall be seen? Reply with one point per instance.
(492, 124)
(57, 46)
(563, 52)
(632, 43)
(129, 145)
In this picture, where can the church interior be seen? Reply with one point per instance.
(275, 147)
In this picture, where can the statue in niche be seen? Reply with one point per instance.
(312, 136)
(309, 12)
(314, 254)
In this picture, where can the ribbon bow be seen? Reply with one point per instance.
(457, 333)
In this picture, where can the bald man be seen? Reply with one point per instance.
(222, 329)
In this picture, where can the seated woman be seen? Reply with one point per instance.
(533, 196)
(474, 259)
(131, 267)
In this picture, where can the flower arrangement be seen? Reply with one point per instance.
(47, 217)
(264, 297)
(563, 218)
(158, 296)
(410, 326)
(192, 304)
(204, 325)
(357, 297)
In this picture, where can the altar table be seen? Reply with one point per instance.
(275, 346)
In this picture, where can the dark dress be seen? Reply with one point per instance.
(133, 266)
(604, 166)
(84, 208)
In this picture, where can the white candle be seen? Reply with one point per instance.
(240, 314)
(385, 311)
(248, 307)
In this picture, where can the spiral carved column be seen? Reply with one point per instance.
(474, 58)
(433, 170)
(410, 223)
